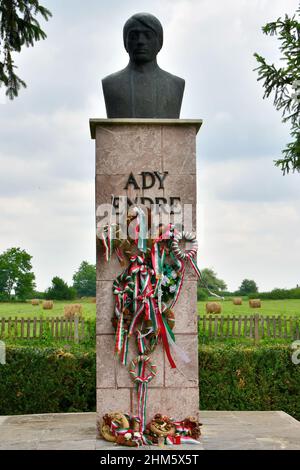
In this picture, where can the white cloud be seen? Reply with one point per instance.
(248, 221)
(247, 180)
(252, 240)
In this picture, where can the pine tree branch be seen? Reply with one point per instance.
(18, 27)
(280, 82)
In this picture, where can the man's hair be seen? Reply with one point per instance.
(146, 19)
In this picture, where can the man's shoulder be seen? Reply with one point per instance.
(115, 79)
(169, 77)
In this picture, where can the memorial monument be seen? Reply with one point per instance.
(146, 288)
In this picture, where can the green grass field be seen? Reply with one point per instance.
(27, 310)
(290, 307)
(269, 307)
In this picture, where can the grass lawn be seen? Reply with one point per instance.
(289, 307)
(269, 307)
(26, 310)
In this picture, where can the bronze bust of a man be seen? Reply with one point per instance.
(143, 89)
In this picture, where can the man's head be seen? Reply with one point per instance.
(143, 37)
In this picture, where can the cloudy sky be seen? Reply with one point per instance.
(248, 213)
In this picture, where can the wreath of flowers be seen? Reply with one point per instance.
(147, 362)
(179, 252)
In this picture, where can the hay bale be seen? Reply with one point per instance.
(237, 301)
(254, 303)
(35, 302)
(213, 307)
(48, 305)
(72, 310)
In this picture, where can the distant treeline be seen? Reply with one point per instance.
(275, 294)
(278, 294)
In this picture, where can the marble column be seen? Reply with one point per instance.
(125, 146)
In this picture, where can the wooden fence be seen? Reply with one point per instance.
(75, 329)
(249, 326)
(210, 326)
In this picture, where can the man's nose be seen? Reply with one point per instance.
(141, 39)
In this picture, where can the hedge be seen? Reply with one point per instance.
(232, 377)
(239, 377)
(38, 380)
(278, 294)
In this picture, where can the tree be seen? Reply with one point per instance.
(248, 287)
(85, 280)
(16, 274)
(284, 82)
(18, 27)
(60, 290)
(211, 282)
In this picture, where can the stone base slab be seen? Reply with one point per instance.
(221, 430)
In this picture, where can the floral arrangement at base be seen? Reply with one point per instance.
(124, 430)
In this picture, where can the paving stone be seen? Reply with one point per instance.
(19, 445)
(220, 430)
(19, 433)
(67, 445)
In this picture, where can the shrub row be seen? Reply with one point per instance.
(275, 294)
(235, 377)
(278, 294)
(241, 377)
(47, 380)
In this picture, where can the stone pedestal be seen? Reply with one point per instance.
(125, 146)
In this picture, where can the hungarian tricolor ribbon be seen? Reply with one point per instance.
(142, 379)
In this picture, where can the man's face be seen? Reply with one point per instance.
(142, 44)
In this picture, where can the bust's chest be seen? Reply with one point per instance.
(143, 94)
(150, 95)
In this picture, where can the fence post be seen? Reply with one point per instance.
(2, 353)
(256, 329)
(76, 329)
(41, 326)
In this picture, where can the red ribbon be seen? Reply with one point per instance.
(175, 439)
(163, 333)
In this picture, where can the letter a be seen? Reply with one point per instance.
(132, 180)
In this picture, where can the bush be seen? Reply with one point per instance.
(278, 294)
(295, 293)
(60, 290)
(36, 380)
(38, 295)
(202, 294)
(239, 377)
(232, 377)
